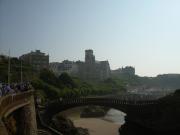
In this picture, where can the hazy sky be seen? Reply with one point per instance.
(141, 33)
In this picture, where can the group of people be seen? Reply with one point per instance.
(14, 88)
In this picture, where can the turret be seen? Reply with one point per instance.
(89, 57)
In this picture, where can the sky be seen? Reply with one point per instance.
(139, 33)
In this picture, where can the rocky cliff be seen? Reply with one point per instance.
(163, 119)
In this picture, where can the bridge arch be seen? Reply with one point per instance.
(10, 103)
(126, 106)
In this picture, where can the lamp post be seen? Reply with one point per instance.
(21, 72)
(9, 63)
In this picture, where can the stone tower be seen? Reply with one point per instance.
(89, 57)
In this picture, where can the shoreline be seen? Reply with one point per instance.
(95, 126)
(98, 126)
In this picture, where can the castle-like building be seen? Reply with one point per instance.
(90, 69)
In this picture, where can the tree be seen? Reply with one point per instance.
(67, 81)
(49, 77)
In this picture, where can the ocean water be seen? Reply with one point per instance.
(115, 116)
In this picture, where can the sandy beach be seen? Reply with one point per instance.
(98, 126)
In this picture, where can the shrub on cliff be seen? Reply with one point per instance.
(177, 92)
(47, 91)
(66, 126)
(67, 81)
(49, 77)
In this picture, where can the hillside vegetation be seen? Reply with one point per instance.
(163, 82)
(15, 70)
(49, 86)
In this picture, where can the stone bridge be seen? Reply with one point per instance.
(130, 106)
(23, 102)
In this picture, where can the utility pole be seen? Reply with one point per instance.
(9, 63)
(21, 72)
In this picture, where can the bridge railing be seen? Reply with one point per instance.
(10, 99)
(101, 101)
(137, 97)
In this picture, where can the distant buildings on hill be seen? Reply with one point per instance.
(65, 66)
(128, 70)
(90, 69)
(37, 59)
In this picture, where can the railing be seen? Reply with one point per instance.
(112, 101)
(133, 96)
(13, 101)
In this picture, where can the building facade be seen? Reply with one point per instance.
(65, 66)
(37, 60)
(90, 69)
(128, 70)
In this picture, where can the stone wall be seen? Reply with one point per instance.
(21, 121)
(28, 117)
(3, 130)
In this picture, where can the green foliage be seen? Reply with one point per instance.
(108, 86)
(15, 70)
(67, 81)
(49, 86)
(69, 93)
(50, 78)
(70, 87)
(47, 90)
(86, 89)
